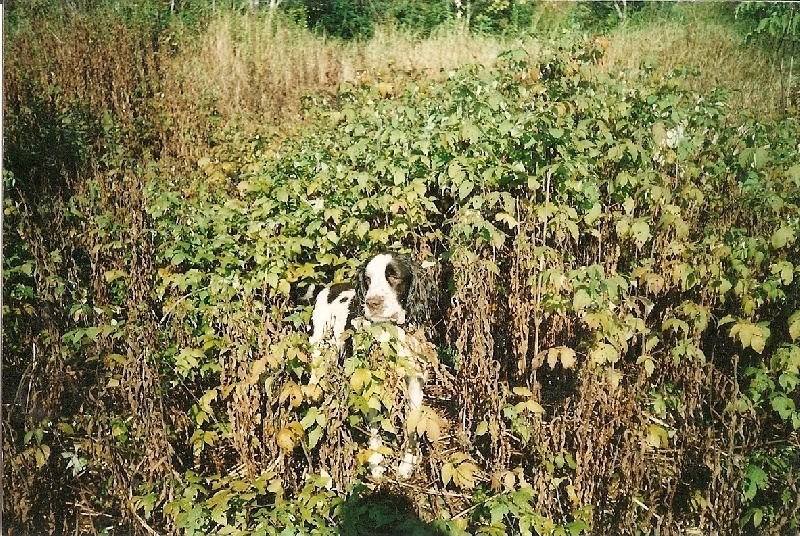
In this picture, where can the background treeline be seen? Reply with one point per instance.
(609, 191)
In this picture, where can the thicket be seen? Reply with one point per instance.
(618, 256)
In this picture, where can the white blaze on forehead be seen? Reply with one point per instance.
(379, 287)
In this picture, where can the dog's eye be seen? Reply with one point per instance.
(394, 280)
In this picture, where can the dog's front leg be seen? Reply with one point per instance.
(416, 389)
(375, 460)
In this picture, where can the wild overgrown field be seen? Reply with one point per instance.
(612, 221)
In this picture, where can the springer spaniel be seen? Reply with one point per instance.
(389, 288)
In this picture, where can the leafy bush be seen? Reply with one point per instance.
(777, 25)
(608, 224)
(618, 352)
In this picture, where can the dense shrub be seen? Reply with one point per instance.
(619, 257)
(619, 318)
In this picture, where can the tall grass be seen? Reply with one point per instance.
(257, 68)
(185, 84)
(714, 49)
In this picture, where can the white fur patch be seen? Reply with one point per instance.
(381, 303)
(330, 318)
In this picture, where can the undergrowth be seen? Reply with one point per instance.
(617, 249)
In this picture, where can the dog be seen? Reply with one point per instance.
(392, 289)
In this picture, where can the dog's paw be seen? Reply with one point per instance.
(406, 466)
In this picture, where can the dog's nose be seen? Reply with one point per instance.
(375, 303)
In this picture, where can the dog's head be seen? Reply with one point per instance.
(393, 288)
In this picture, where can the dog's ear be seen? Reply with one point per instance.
(421, 294)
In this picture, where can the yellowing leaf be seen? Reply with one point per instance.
(751, 335)
(757, 342)
(286, 440)
(447, 473)
(293, 393)
(565, 354)
(641, 232)
(206, 399)
(388, 426)
(413, 419)
(433, 430)
(568, 358)
(42, 453)
(552, 358)
(508, 480)
(657, 436)
(113, 275)
(289, 436)
(360, 378)
(464, 475)
(454, 171)
(522, 391)
(426, 422)
(604, 353)
(649, 364)
(470, 132)
(794, 325)
(465, 188)
(482, 428)
(659, 134)
(529, 405)
(259, 366)
(312, 392)
(614, 377)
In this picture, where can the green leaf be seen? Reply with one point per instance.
(470, 132)
(581, 300)
(594, 212)
(577, 527)
(784, 406)
(497, 513)
(464, 189)
(315, 435)
(454, 171)
(785, 270)
(282, 195)
(782, 236)
(755, 479)
(641, 232)
(758, 516)
(178, 258)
